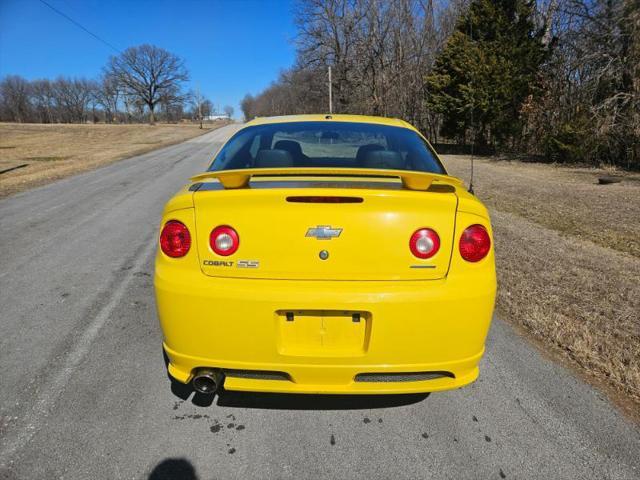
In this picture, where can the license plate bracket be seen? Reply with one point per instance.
(323, 333)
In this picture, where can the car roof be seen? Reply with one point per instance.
(324, 117)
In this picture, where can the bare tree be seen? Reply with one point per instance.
(247, 106)
(73, 97)
(380, 52)
(107, 95)
(15, 99)
(206, 108)
(328, 32)
(171, 103)
(197, 101)
(588, 110)
(149, 73)
(43, 99)
(228, 110)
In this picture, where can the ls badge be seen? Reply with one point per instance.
(323, 232)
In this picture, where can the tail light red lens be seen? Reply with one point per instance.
(175, 239)
(475, 243)
(424, 243)
(224, 240)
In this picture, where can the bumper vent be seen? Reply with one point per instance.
(402, 377)
(258, 374)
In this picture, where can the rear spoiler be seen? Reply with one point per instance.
(240, 178)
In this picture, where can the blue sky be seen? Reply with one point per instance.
(231, 47)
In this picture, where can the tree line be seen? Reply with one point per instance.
(143, 83)
(557, 80)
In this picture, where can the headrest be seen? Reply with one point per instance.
(273, 158)
(384, 159)
(290, 146)
(363, 150)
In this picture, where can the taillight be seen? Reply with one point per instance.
(424, 243)
(475, 243)
(175, 239)
(224, 240)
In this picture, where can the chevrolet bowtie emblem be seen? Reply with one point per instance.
(323, 232)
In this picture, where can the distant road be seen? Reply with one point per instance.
(84, 394)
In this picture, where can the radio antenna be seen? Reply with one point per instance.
(330, 92)
(471, 175)
(473, 128)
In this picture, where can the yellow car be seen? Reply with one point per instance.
(325, 254)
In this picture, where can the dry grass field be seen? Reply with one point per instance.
(568, 258)
(54, 151)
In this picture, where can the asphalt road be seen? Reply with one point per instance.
(83, 390)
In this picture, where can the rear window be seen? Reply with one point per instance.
(327, 144)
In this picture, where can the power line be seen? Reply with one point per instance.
(80, 26)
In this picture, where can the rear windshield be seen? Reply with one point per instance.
(327, 144)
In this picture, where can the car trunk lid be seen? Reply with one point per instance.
(318, 229)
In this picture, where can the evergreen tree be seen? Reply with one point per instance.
(487, 70)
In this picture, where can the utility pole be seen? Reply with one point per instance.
(199, 100)
(330, 92)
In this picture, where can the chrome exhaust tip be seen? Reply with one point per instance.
(207, 381)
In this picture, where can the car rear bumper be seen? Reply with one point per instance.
(237, 325)
(326, 379)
